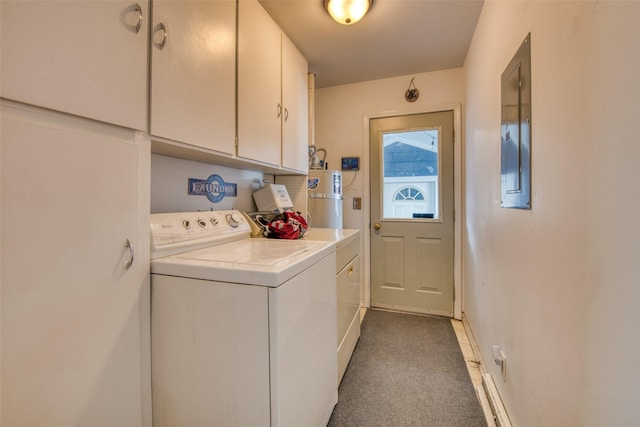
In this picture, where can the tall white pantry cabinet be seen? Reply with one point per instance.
(75, 168)
(75, 271)
(85, 88)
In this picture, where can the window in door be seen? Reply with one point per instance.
(411, 164)
(409, 193)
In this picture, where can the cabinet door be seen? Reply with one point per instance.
(193, 73)
(348, 283)
(75, 329)
(87, 58)
(259, 93)
(295, 99)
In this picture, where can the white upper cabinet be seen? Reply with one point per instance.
(295, 100)
(193, 73)
(259, 74)
(272, 92)
(87, 58)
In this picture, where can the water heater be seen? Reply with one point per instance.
(325, 198)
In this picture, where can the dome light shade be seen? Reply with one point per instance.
(347, 12)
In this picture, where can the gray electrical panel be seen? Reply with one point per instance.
(515, 172)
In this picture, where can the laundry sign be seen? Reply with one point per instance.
(213, 187)
(312, 183)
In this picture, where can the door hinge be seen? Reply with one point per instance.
(236, 142)
(454, 215)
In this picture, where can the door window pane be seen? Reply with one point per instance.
(409, 193)
(411, 165)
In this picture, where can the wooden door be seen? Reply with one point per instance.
(412, 213)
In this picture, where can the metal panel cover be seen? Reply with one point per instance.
(515, 173)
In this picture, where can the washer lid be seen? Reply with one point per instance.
(263, 262)
(254, 252)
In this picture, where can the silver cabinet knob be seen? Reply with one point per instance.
(138, 9)
(163, 28)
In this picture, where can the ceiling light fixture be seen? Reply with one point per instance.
(347, 12)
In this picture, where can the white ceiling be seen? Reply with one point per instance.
(396, 38)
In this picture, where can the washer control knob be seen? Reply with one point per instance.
(214, 221)
(186, 224)
(202, 223)
(233, 220)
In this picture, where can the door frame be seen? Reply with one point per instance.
(457, 201)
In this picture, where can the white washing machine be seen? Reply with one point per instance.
(243, 330)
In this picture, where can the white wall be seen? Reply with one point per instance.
(170, 178)
(341, 118)
(557, 286)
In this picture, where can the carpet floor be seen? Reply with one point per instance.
(406, 370)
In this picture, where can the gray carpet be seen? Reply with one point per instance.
(406, 371)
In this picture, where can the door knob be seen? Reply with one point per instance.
(377, 226)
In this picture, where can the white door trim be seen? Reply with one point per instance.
(457, 185)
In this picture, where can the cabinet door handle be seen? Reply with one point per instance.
(165, 35)
(279, 110)
(286, 114)
(140, 17)
(131, 252)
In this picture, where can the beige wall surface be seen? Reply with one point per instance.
(557, 286)
(341, 117)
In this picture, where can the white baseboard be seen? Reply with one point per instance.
(500, 416)
(488, 394)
